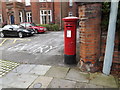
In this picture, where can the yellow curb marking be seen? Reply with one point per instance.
(14, 40)
(3, 42)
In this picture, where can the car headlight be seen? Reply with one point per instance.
(45, 29)
(41, 28)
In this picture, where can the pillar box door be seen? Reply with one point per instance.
(70, 39)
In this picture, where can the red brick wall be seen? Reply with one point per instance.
(57, 11)
(90, 19)
(0, 11)
(4, 11)
(116, 57)
(36, 7)
(35, 12)
(60, 11)
(28, 8)
(92, 40)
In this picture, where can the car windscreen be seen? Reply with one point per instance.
(15, 26)
(33, 24)
(11, 26)
(26, 24)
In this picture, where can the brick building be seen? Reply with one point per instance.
(1, 13)
(37, 11)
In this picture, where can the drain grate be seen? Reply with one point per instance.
(6, 66)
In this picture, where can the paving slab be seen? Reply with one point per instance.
(0, 87)
(86, 85)
(41, 82)
(59, 72)
(103, 80)
(40, 69)
(23, 68)
(76, 75)
(18, 80)
(0, 81)
(4, 86)
(61, 83)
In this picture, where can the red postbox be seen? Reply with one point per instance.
(70, 24)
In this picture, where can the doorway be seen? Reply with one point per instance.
(12, 19)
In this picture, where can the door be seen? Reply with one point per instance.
(12, 19)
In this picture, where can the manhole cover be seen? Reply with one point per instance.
(37, 85)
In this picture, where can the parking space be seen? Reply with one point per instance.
(46, 48)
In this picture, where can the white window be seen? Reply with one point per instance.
(29, 16)
(0, 18)
(45, 0)
(19, 0)
(21, 16)
(13, 0)
(45, 16)
(27, 2)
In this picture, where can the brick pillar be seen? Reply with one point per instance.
(90, 31)
(35, 11)
(4, 13)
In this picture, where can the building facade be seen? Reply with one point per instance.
(1, 13)
(37, 11)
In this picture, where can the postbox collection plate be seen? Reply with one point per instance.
(69, 33)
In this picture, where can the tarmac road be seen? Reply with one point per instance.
(44, 48)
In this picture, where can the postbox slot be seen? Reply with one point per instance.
(68, 26)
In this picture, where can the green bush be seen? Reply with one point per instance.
(106, 14)
(50, 27)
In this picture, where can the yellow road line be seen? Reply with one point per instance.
(3, 42)
(14, 40)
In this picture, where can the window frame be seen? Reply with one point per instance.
(45, 0)
(29, 16)
(21, 16)
(42, 16)
(1, 20)
(19, 0)
(27, 3)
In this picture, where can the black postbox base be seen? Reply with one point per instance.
(70, 59)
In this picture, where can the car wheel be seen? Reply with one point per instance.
(2, 34)
(20, 34)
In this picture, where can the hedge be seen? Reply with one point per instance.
(50, 27)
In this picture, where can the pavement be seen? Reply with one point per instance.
(37, 62)
(29, 76)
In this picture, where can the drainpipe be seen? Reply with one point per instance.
(110, 37)
(70, 6)
(60, 14)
